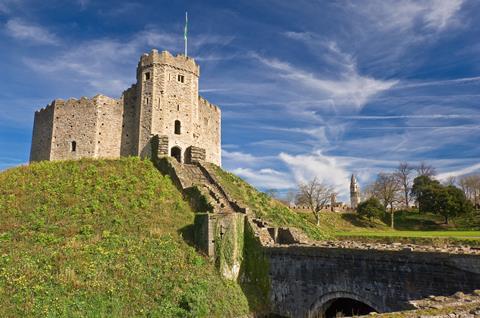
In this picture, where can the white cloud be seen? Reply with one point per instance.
(239, 157)
(459, 172)
(441, 12)
(404, 15)
(108, 65)
(328, 169)
(22, 30)
(6, 6)
(266, 178)
(350, 89)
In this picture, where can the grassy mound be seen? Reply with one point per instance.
(265, 207)
(102, 238)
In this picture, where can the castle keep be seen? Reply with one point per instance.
(163, 107)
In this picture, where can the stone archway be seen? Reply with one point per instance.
(176, 152)
(349, 304)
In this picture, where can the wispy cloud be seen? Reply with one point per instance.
(328, 169)
(432, 116)
(240, 157)
(350, 90)
(406, 14)
(6, 6)
(22, 30)
(266, 178)
(107, 65)
(459, 172)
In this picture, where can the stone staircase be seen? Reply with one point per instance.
(193, 175)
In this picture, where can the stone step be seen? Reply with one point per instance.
(196, 176)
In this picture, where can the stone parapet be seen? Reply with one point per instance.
(179, 61)
(196, 154)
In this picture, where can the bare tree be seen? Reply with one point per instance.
(424, 169)
(471, 186)
(368, 191)
(316, 195)
(386, 188)
(272, 193)
(290, 197)
(450, 181)
(404, 178)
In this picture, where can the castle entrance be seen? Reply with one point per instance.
(176, 153)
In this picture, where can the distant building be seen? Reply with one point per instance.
(354, 193)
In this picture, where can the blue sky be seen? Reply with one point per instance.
(325, 88)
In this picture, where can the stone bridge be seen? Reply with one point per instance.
(316, 281)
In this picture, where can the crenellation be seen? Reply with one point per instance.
(164, 101)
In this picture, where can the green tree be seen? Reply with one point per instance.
(448, 201)
(371, 208)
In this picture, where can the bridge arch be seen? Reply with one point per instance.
(321, 307)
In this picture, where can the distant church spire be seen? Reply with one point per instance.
(354, 192)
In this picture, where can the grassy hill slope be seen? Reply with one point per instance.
(102, 238)
(265, 207)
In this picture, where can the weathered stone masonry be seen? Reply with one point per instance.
(164, 102)
(306, 278)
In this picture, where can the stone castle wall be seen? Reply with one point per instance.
(42, 134)
(128, 144)
(74, 121)
(109, 127)
(210, 130)
(164, 102)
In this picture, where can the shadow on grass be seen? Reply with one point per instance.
(187, 233)
(358, 221)
(414, 221)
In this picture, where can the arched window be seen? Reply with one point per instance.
(178, 127)
(73, 146)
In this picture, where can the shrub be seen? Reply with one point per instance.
(371, 208)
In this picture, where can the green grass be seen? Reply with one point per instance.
(446, 234)
(411, 227)
(103, 239)
(264, 207)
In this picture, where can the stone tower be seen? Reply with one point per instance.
(163, 110)
(354, 192)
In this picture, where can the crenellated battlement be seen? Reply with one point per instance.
(164, 101)
(179, 61)
(205, 103)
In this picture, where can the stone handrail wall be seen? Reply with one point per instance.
(213, 179)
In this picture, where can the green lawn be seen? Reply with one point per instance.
(440, 234)
(411, 227)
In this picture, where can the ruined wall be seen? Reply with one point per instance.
(83, 128)
(74, 122)
(209, 131)
(42, 134)
(305, 278)
(109, 127)
(128, 143)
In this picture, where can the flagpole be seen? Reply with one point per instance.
(185, 33)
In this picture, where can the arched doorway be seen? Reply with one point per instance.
(176, 153)
(342, 304)
(346, 307)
